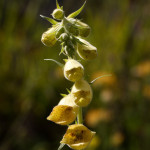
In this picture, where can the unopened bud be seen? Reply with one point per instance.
(77, 136)
(86, 50)
(71, 27)
(60, 31)
(48, 37)
(58, 14)
(73, 70)
(82, 93)
(84, 29)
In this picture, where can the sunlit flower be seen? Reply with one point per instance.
(49, 37)
(77, 136)
(82, 93)
(86, 51)
(73, 70)
(65, 112)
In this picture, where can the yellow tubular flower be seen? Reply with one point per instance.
(49, 37)
(77, 136)
(65, 112)
(73, 70)
(86, 51)
(82, 93)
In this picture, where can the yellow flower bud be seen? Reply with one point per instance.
(77, 136)
(71, 27)
(65, 112)
(73, 70)
(48, 37)
(82, 93)
(84, 29)
(86, 51)
(58, 14)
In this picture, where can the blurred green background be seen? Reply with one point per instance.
(30, 87)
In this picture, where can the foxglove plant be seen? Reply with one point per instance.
(70, 32)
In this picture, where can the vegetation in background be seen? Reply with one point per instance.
(121, 104)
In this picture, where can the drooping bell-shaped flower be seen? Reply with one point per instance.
(77, 136)
(65, 112)
(73, 70)
(82, 93)
(49, 37)
(86, 50)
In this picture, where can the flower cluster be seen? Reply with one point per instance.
(70, 32)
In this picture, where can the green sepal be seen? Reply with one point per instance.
(68, 91)
(65, 60)
(52, 21)
(76, 122)
(62, 50)
(58, 63)
(78, 41)
(61, 146)
(61, 8)
(57, 5)
(76, 13)
(63, 95)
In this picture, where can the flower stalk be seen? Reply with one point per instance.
(69, 32)
(79, 116)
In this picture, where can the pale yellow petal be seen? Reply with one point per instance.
(78, 136)
(62, 114)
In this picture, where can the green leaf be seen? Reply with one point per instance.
(57, 5)
(58, 63)
(76, 13)
(52, 21)
(61, 146)
(108, 75)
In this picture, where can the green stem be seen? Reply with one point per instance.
(79, 116)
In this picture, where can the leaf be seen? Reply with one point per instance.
(61, 146)
(52, 21)
(76, 13)
(58, 63)
(108, 75)
(57, 5)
